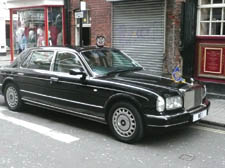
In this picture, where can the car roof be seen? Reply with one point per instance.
(86, 48)
(76, 48)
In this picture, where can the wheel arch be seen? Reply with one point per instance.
(118, 98)
(6, 81)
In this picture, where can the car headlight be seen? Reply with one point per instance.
(174, 102)
(160, 104)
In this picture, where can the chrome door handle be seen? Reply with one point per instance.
(54, 79)
(20, 74)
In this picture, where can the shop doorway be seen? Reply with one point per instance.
(86, 29)
(86, 33)
(86, 36)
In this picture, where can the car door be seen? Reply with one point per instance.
(70, 92)
(33, 76)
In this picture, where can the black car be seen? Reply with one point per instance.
(104, 85)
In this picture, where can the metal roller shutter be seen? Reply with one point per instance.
(138, 30)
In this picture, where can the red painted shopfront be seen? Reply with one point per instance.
(36, 24)
(210, 41)
(210, 59)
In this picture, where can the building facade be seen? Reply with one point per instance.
(4, 28)
(96, 21)
(159, 34)
(147, 30)
(210, 41)
(35, 23)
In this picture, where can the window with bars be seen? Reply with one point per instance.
(211, 18)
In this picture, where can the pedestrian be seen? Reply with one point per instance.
(22, 43)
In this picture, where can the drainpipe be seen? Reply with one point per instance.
(67, 21)
(81, 27)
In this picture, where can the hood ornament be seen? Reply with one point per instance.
(177, 76)
(192, 81)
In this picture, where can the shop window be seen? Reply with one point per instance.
(211, 18)
(28, 29)
(35, 27)
(217, 1)
(55, 32)
(204, 28)
(205, 2)
(205, 14)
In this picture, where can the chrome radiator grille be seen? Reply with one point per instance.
(193, 98)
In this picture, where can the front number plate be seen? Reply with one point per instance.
(200, 115)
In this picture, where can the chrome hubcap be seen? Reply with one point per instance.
(12, 97)
(124, 122)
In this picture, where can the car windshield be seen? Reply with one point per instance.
(107, 61)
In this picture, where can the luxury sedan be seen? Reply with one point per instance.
(104, 85)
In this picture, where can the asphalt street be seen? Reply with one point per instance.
(37, 138)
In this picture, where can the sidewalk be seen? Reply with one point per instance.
(216, 95)
(215, 90)
(216, 113)
(5, 60)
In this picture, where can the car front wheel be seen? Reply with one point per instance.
(12, 97)
(125, 122)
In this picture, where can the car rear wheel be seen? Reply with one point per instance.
(125, 122)
(12, 97)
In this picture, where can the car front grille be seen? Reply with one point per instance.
(193, 98)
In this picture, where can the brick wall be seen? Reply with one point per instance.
(173, 25)
(101, 25)
(100, 12)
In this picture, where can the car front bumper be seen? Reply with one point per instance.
(185, 117)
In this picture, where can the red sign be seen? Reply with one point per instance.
(213, 58)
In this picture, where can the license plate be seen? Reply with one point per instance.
(200, 115)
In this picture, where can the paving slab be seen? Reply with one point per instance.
(216, 113)
(5, 60)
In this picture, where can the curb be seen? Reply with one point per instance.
(215, 95)
(213, 123)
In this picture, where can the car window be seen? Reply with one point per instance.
(66, 61)
(24, 55)
(40, 60)
(103, 61)
(20, 58)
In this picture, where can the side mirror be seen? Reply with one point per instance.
(78, 71)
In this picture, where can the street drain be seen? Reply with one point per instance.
(187, 157)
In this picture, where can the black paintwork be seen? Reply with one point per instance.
(92, 96)
(188, 36)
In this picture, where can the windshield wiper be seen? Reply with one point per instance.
(124, 70)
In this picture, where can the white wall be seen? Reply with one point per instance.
(4, 15)
(4, 12)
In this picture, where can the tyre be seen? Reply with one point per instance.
(12, 97)
(126, 122)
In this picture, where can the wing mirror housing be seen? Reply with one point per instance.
(78, 71)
